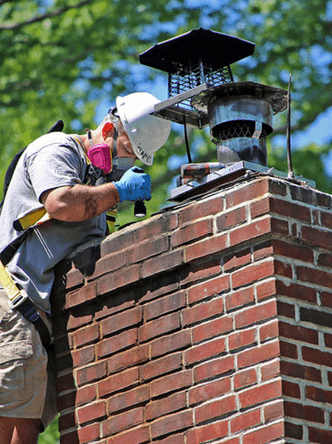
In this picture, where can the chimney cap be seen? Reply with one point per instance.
(211, 48)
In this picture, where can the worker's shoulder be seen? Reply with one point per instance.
(54, 139)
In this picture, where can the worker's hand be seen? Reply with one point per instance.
(134, 185)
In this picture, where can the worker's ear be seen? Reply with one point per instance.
(107, 130)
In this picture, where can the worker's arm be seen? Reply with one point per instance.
(80, 202)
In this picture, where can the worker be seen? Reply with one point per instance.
(53, 178)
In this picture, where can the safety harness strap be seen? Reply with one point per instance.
(18, 300)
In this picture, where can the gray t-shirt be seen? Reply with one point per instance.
(52, 161)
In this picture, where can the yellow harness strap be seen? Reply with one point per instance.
(34, 217)
(15, 295)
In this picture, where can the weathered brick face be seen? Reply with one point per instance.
(210, 322)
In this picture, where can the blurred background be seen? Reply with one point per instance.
(70, 59)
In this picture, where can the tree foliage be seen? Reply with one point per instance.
(70, 59)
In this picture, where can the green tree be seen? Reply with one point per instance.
(70, 59)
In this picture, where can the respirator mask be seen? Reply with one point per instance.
(101, 157)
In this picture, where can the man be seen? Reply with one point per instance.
(52, 178)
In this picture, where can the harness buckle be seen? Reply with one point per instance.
(17, 300)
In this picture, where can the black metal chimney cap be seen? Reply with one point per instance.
(212, 48)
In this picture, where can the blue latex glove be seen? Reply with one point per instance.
(134, 185)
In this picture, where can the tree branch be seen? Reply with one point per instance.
(39, 18)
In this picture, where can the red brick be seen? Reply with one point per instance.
(197, 210)
(286, 310)
(239, 298)
(208, 288)
(162, 366)
(266, 289)
(245, 378)
(319, 435)
(192, 232)
(206, 433)
(89, 433)
(269, 331)
(206, 248)
(266, 434)
(171, 383)
(138, 435)
(121, 321)
(164, 305)
(204, 351)
(250, 231)
(83, 356)
(296, 291)
(212, 329)
(123, 421)
(70, 438)
(317, 356)
(203, 311)
(74, 278)
(293, 251)
(325, 260)
(231, 218)
(288, 350)
(202, 270)
(246, 420)
(242, 339)
(248, 191)
(317, 237)
(162, 263)
(291, 389)
(210, 390)
(85, 395)
(118, 382)
(298, 333)
(213, 368)
(170, 343)
(305, 412)
(65, 382)
(319, 395)
(258, 394)
(172, 423)
(281, 208)
(118, 279)
(91, 412)
(109, 263)
(159, 327)
(147, 249)
(165, 406)
(118, 241)
(127, 400)
(66, 401)
(326, 219)
(84, 294)
(273, 411)
(326, 299)
(75, 322)
(254, 355)
(283, 269)
(67, 421)
(215, 409)
(155, 227)
(301, 371)
(270, 370)
(116, 343)
(91, 373)
(237, 259)
(173, 439)
(135, 355)
(255, 314)
(252, 273)
(314, 276)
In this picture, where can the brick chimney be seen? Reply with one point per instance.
(209, 322)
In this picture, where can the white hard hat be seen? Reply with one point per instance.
(147, 133)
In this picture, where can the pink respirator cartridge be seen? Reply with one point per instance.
(100, 156)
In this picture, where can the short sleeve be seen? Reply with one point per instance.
(54, 166)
